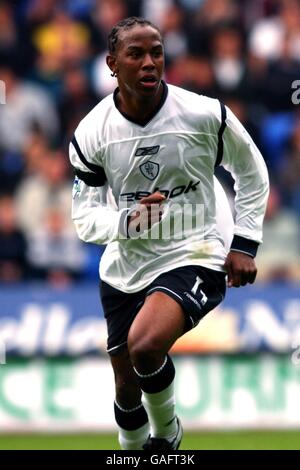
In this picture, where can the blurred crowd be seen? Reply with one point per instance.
(52, 65)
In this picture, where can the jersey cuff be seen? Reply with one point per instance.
(123, 223)
(244, 245)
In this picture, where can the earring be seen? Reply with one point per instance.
(113, 74)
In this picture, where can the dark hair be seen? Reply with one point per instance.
(124, 25)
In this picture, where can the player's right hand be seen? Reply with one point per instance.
(154, 198)
(148, 212)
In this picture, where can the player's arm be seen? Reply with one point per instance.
(243, 160)
(96, 218)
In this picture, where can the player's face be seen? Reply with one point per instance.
(139, 61)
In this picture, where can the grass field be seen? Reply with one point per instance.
(244, 440)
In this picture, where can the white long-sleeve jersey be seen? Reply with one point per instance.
(175, 152)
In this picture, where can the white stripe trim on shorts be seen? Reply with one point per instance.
(116, 347)
(153, 289)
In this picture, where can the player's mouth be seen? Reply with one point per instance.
(149, 81)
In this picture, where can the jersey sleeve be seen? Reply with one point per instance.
(244, 161)
(85, 155)
(96, 218)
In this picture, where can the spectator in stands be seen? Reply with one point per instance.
(105, 14)
(15, 44)
(13, 246)
(61, 42)
(11, 170)
(227, 57)
(202, 21)
(268, 36)
(8, 31)
(290, 172)
(77, 99)
(48, 187)
(172, 27)
(54, 252)
(194, 73)
(279, 260)
(27, 107)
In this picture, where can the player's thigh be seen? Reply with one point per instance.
(198, 290)
(175, 302)
(157, 326)
(120, 310)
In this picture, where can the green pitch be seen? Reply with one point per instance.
(246, 440)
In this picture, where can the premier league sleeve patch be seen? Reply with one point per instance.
(77, 187)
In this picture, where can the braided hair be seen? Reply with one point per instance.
(124, 25)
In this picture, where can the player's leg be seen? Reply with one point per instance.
(130, 414)
(119, 311)
(177, 300)
(158, 324)
(128, 392)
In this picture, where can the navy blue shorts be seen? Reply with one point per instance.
(198, 290)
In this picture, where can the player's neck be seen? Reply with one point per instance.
(138, 108)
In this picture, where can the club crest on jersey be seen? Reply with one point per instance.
(150, 170)
(143, 151)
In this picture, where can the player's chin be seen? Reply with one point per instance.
(148, 88)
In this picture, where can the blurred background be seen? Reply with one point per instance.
(240, 369)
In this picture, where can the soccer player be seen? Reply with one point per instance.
(156, 146)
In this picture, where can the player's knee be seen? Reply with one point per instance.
(144, 350)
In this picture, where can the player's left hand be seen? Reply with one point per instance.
(241, 269)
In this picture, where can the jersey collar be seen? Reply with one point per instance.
(155, 111)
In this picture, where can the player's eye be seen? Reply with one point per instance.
(135, 54)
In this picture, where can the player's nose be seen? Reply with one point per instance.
(148, 62)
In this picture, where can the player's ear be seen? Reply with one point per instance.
(111, 62)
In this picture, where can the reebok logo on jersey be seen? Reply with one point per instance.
(136, 196)
(143, 151)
